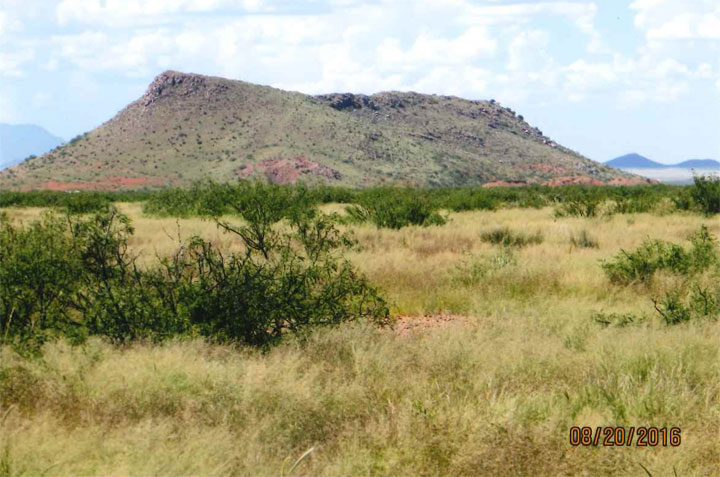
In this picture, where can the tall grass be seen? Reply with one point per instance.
(492, 394)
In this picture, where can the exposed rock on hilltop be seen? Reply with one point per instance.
(186, 127)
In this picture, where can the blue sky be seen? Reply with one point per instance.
(604, 78)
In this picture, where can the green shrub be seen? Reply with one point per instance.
(653, 255)
(706, 194)
(74, 278)
(38, 271)
(281, 284)
(584, 240)
(618, 320)
(507, 238)
(632, 205)
(477, 269)
(582, 207)
(395, 209)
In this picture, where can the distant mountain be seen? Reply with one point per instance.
(699, 164)
(18, 141)
(634, 161)
(187, 127)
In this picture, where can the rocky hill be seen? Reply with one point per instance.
(187, 127)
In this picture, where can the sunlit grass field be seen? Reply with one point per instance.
(491, 389)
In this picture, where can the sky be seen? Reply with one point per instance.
(604, 78)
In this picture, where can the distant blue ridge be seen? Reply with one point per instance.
(636, 161)
(18, 141)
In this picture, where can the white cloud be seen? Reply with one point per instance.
(11, 61)
(124, 12)
(475, 43)
(678, 19)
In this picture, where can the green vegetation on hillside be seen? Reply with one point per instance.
(190, 127)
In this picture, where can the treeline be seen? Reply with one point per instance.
(395, 207)
(76, 202)
(72, 276)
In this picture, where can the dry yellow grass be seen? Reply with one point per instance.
(494, 394)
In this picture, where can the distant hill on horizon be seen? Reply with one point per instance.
(19, 141)
(636, 161)
(188, 127)
(699, 164)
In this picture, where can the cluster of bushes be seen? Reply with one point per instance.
(394, 209)
(507, 238)
(476, 269)
(75, 202)
(583, 240)
(703, 196)
(694, 298)
(641, 264)
(678, 307)
(74, 277)
(208, 198)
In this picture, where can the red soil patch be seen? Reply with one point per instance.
(406, 325)
(505, 184)
(287, 171)
(619, 181)
(574, 180)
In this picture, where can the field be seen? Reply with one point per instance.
(496, 352)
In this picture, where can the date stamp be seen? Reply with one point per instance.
(625, 436)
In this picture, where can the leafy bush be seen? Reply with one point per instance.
(74, 202)
(475, 270)
(581, 207)
(75, 277)
(584, 240)
(706, 194)
(632, 205)
(38, 271)
(395, 209)
(618, 320)
(284, 281)
(507, 238)
(653, 255)
(700, 303)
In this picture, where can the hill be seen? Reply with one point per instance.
(188, 126)
(634, 161)
(18, 141)
(699, 164)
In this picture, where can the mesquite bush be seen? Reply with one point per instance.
(73, 276)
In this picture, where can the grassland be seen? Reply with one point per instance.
(508, 360)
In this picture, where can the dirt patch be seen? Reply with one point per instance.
(620, 181)
(288, 171)
(574, 180)
(406, 325)
(505, 184)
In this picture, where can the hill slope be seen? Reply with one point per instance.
(190, 126)
(18, 141)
